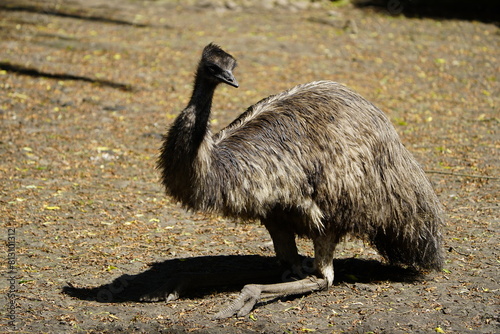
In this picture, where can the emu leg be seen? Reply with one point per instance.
(284, 245)
(324, 247)
(252, 293)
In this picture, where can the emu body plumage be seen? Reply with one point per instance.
(317, 160)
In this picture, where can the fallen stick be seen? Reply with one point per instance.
(462, 174)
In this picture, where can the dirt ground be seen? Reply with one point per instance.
(88, 87)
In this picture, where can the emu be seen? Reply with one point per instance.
(317, 161)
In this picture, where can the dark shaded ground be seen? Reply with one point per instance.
(86, 89)
(479, 10)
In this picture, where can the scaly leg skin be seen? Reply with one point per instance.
(324, 247)
(252, 293)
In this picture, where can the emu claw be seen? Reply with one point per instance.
(158, 295)
(168, 292)
(249, 296)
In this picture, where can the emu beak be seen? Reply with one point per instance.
(228, 78)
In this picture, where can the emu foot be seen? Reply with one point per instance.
(252, 293)
(249, 296)
(171, 290)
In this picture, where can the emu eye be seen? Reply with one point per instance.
(212, 68)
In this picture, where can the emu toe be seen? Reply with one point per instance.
(168, 292)
(249, 296)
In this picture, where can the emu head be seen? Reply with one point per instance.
(217, 65)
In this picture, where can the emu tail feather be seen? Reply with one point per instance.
(423, 252)
(409, 233)
(413, 238)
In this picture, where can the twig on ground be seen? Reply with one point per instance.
(462, 174)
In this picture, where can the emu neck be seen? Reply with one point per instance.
(197, 112)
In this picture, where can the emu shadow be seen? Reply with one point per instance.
(128, 288)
